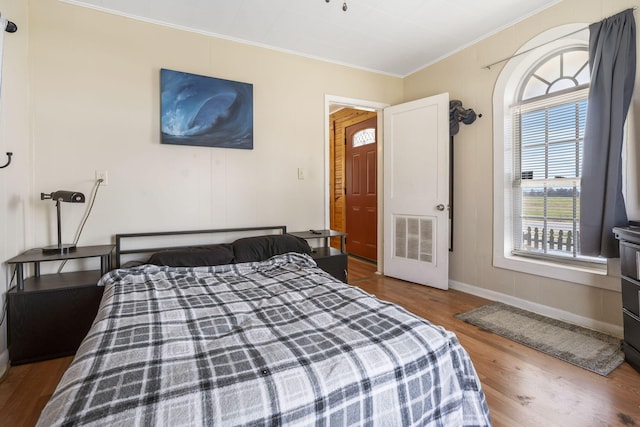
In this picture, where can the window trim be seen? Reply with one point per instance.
(508, 82)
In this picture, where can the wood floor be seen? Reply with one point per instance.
(523, 387)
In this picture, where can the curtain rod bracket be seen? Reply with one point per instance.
(8, 161)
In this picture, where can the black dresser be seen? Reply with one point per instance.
(630, 268)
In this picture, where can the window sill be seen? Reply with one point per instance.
(575, 274)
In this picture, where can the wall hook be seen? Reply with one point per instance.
(11, 27)
(8, 161)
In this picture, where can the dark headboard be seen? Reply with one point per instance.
(140, 243)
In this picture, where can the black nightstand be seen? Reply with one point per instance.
(331, 260)
(49, 315)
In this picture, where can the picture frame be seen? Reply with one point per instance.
(205, 111)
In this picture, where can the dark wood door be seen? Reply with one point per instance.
(361, 185)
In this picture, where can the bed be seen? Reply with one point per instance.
(274, 341)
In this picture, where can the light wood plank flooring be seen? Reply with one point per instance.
(523, 387)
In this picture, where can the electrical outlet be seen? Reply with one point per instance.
(104, 176)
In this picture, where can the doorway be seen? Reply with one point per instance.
(361, 188)
(398, 134)
(344, 119)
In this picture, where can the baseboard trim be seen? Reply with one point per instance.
(607, 328)
(4, 364)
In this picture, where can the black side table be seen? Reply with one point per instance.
(49, 315)
(36, 257)
(331, 260)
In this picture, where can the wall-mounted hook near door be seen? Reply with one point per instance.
(8, 161)
(11, 27)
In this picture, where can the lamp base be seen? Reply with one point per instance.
(64, 248)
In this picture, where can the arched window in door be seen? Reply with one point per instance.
(364, 137)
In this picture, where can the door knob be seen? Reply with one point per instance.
(440, 207)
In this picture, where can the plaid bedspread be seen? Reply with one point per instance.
(278, 342)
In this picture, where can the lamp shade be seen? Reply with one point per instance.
(61, 196)
(64, 196)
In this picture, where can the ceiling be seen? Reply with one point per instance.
(394, 37)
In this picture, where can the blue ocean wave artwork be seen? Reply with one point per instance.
(205, 111)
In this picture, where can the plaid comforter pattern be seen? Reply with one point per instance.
(278, 342)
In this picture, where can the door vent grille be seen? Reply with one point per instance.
(414, 238)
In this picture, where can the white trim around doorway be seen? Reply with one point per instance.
(359, 104)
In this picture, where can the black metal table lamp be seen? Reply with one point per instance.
(61, 196)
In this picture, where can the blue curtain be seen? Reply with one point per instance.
(612, 61)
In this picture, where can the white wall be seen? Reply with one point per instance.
(95, 83)
(15, 122)
(465, 77)
(84, 96)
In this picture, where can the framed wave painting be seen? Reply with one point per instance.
(205, 111)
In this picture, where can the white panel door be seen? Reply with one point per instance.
(416, 191)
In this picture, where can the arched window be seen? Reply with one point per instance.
(364, 137)
(548, 131)
(540, 106)
(566, 70)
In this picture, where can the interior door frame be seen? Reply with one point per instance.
(359, 104)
